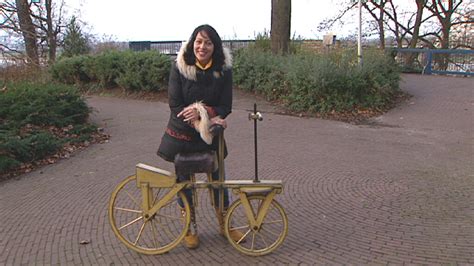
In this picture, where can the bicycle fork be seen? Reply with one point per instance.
(256, 220)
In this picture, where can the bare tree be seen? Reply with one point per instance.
(28, 31)
(413, 30)
(39, 27)
(280, 26)
(462, 28)
(50, 26)
(377, 12)
(443, 11)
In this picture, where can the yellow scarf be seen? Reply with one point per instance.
(207, 66)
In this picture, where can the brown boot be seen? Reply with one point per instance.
(191, 240)
(234, 234)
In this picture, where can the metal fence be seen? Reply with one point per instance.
(172, 47)
(436, 61)
(425, 61)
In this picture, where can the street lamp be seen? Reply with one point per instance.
(359, 38)
(359, 35)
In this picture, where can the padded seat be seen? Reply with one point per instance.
(192, 163)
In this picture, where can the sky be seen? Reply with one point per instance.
(170, 20)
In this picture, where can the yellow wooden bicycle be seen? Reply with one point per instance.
(145, 215)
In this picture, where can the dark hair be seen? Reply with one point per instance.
(217, 56)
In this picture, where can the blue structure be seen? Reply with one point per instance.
(459, 62)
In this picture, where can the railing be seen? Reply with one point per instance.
(436, 61)
(172, 47)
(424, 61)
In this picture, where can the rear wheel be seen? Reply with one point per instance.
(148, 235)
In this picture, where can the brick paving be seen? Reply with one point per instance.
(398, 189)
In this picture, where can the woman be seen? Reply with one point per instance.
(202, 73)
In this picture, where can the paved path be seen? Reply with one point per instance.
(397, 189)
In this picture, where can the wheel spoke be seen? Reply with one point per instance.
(269, 231)
(127, 210)
(263, 239)
(156, 196)
(153, 232)
(273, 222)
(132, 198)
(165, 229)
(130, 223)
(139, 234)
(244, 236)
(240, 227)
(253, 241)
(169, 216)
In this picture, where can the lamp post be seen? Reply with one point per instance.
(359, 37)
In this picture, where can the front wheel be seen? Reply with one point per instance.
(257, 242)
(153, 235)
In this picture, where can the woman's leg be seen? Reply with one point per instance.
(187, 191)
(235, 235)
(215, 177)
(191, 239)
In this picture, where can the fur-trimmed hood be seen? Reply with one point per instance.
(189, 71)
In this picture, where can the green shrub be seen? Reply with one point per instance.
(319, 82)
(106, 68)
(33, 146)
(7, 163)
(29, 113)
(262, 42)
(42, 104)
(72, 70)
(259, 71)
(147, 70)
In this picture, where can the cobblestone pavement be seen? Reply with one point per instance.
(396, 189)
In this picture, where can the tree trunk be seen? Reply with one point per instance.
(29, 32)
(420, 4)
(52, 43)
(381, 26)
(443, 10)
(280, 26)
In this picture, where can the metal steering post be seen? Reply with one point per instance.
(255, 116)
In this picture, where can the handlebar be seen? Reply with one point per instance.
(216, 129)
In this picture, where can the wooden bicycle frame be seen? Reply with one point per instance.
(150, 177)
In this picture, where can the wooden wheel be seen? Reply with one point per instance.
(148, 235)
(257, 241)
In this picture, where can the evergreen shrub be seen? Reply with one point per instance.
(29, 113)
(146, 70)
(322, 83)
(72, 70)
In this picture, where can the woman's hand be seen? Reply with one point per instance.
(219, 121)
(190, 114)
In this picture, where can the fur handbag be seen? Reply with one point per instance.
(202, 125)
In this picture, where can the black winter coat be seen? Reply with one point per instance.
(189, 84)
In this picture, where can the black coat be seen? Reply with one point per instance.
(189, 84)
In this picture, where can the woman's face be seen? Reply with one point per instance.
(203, 48)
